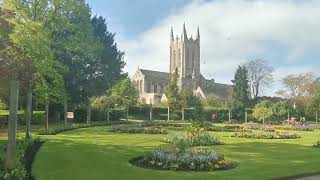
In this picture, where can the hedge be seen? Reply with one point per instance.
(160, 113)
(80, 114)
(38, 117)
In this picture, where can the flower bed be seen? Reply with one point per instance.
(138, 129)
(194, 137)
(277, 134)
(190, 160)
(297, 128)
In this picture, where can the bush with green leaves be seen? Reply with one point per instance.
(194, 137)
(26, 151)
(189, 160)
(317, 144)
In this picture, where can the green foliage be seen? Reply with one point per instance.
(280, 109)
(212, 102)
(26, 151)
(241, 92)
(262, 111)
(172, 92)
(38, 118)
(80, 114)
(125, 93)
(317, 144)
(3, 106)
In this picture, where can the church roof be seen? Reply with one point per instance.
(155, 74)
(218, 90)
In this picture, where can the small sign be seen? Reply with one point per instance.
(70, 115)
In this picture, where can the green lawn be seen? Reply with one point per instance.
(97, 154)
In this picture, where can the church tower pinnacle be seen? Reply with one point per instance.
(184, 33)
(198, 33)
(172, 37)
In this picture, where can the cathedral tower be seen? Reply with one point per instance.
(185, 57)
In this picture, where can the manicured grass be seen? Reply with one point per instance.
(96, 153)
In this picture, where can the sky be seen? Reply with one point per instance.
(284, 33)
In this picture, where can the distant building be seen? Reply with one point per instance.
(185, 57)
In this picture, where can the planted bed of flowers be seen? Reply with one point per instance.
(138, 129)
(277, 134)
(189, 160)
(194, 137)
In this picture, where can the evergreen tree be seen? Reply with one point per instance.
(241, 93)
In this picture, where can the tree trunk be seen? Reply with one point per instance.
(89, 111)
(168, 113)
(47, 114)
(127, 116)
(12, 124)
(29, 110)
(229, 115)
(151, 109)
(108, 114)
(316, 117)
(182, 114)
(65, 117)
(246, 116)
(263, 121)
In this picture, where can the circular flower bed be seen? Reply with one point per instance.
(138, 129)
(190, 160)
(277, 134)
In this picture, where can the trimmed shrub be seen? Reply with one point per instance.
(317, 144)
(38, 117)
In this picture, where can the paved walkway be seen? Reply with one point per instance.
(315, 177)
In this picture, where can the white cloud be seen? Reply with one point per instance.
(253, 28)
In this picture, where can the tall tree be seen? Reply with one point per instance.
(172, 93)
(12, 65)
(299, 89)
(259, 76)
(241, 94)
(75, 46)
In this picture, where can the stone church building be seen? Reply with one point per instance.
(185, 57)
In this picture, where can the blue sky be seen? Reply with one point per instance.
(285, 33)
